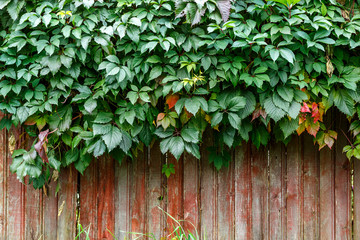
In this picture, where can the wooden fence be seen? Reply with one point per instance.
(278, 192)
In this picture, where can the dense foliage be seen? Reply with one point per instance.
(85, 77)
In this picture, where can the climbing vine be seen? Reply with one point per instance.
(85, 78)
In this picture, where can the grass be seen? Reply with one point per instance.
(177, 234)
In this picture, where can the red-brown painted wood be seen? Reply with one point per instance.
(123, 189)
(33, 213)
(356, 186)
(311, 188)
(276, 197)
(242, 192)
(3, 182)
(155, 193)
(208, 195)
(50, 212)
(327, 195)
(88, 208)
(226, 202)
(259, 178)
(175, 205)
(138, 197)
(294, 190)
(342, 185)
(66, 224)
(191, 194)
(105, 198)
(15, 205)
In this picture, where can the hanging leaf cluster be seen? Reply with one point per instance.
(85, 78)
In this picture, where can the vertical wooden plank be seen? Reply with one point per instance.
(294, 190)
(123, 188)
(33, 213)
(66, 225)
(208, 192)
(138, 198)
(88, 207)
(327, 189)
(105, 198)
(155, 197)
(276, 197)
(3, 181)
(15, 204)
(226, 202)
(175, 206)
(342, 184)
(259, 189)
(242, 192)
(311, 188)
(356, 186)
(50, 212)
(191, 194)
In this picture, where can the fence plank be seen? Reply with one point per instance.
(294, 190)
(356, 186)
(33, 213)
(327, 203)
(208, 192)
(3, 182)
(155, 197)
(66, 225)
(105, 198)
(88, 208)
(191, 193)
(138, 198)
(259, 178)
(15, 205)
(242, 192)
(311, 188)
(175, 193)
(342, 185)
(50, 212)
(276, 197)
(226, 202)
(123, 188)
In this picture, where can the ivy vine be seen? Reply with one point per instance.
(84, 78)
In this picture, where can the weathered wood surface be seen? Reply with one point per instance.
(278, 192)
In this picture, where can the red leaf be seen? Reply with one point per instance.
(305, 108)
(313, 128)
(40, 146)
(171, 100)
(160, 116)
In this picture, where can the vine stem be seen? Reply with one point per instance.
(352, 146)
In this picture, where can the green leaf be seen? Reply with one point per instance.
(287, 54)
(103, 117)
(71, 156)
(176, 147)
(155, 72)
(190, 135)
(22, 114)
(113, 138)
(288, 127)
(272, 110)
(90, 105)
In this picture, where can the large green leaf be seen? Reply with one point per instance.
(113, 138)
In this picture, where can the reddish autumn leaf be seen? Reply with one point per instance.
(40, 146)
(328, 140)
(301, 128)
(312, 128)
(160, 117)
(171, 100)
(30, 121)
(305, 108)
(257, 113)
